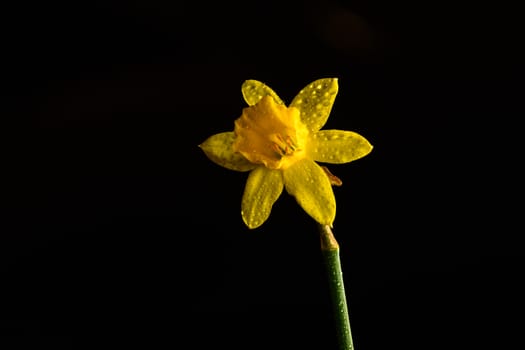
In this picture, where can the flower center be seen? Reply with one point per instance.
(270, 134)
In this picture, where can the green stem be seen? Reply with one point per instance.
(330, 250)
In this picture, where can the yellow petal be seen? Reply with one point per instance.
(263, 188)
(338, 146)
(219, 148)
(253, 91)
(308, 183)
(315, 102)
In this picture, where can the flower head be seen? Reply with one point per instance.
(280, 145)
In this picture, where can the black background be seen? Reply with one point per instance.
(117, 230)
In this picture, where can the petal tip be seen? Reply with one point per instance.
(329, 222)
(251, 224)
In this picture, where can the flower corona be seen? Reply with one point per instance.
(270, 134)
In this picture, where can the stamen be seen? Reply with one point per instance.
(291, 143)
(279, 150)
(283, 146)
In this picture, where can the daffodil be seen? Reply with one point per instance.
(279, 145)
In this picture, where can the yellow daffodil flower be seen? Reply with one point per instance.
(280, 145)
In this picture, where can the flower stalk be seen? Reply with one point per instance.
(332, 261)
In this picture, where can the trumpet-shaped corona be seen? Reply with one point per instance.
(270, 134)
